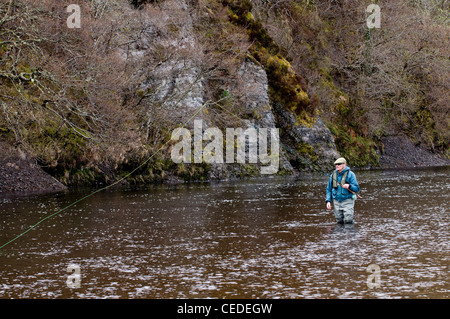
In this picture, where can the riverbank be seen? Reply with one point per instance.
(20, 174)
(401, 152)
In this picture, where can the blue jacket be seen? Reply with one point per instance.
(341, 193)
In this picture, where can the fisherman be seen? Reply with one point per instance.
(341, 190)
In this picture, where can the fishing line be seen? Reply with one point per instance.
(104, 188)
(314, 167)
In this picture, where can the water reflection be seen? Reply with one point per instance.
(339, 228)
(269, 238)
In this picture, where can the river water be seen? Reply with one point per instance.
(261, 238)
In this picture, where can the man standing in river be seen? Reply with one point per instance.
(341, 190)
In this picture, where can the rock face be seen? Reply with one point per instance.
(179, 84)
(320, 138)
(19, 174)
(257, 101)
(316, 139)
(177, 81)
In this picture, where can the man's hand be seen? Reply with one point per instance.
(328, 205)
(346, 186)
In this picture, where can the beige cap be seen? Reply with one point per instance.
(340, 160)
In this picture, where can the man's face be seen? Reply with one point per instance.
(340, 167)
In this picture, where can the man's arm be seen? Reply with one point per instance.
(329, 190)
(352, 183)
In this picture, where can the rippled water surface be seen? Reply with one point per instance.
(264, 238)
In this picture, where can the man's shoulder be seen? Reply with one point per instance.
(351, 174)
(349, 170)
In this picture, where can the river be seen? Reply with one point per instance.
(258, 238)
